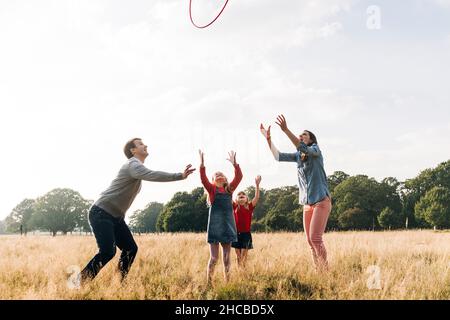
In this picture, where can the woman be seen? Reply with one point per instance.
(313, 187)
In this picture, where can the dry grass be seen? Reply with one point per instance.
(413, 265)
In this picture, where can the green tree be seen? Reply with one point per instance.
(199, 219)
(259, 226)
(296, 217)
(366, 194)
(355, 218)
(184, 212)
(416, 188)
(177, 213)
(434, 207)
(336, 179)
(145, 220)
(2, 227)
(285, 214)
(333, 181)
(261, 209)
(20, 216)
(82, 223)
(333, 222)
(389, 219)
(177, 217)
(59, 210)
(393, 196)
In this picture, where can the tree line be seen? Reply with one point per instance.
(359, 203)
(60, 210)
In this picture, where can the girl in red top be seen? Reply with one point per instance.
(243, 212)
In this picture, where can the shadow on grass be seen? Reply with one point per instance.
(275, 287)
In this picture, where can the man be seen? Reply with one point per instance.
(106, 216)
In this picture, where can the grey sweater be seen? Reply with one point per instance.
(117, 199)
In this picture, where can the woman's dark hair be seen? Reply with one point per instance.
(313, 138)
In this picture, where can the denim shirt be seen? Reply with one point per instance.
(312, 179)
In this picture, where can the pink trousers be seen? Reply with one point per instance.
(315, 219)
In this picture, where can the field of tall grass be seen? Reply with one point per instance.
(363, 265)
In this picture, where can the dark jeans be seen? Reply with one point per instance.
(109, 232)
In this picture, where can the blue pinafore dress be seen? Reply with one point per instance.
(221, 224)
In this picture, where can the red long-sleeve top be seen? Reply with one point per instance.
(211, 188)
(243, 217)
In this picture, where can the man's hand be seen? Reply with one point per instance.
(188, 171)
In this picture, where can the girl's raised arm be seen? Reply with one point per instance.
(256, 198)
(237, 172)
(208, 186)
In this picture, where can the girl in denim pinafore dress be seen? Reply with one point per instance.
(221, 223)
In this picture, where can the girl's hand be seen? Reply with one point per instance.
(258, 180)
(265, 133)
(202, 158)
(281, 121)
(232, 157)
(188, 171)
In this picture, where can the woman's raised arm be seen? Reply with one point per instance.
(279, 156)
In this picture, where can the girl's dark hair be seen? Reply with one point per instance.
(313, 138)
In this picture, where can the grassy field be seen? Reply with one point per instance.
(363, 265)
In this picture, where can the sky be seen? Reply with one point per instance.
(79, 78)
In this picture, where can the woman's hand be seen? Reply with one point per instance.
(188, 171)
(202, 158)
(258, 180)
(281, 121)
(265, 133)
(232, 157)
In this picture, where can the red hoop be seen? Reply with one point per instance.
(206, 25)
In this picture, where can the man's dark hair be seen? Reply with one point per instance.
(128, 146)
